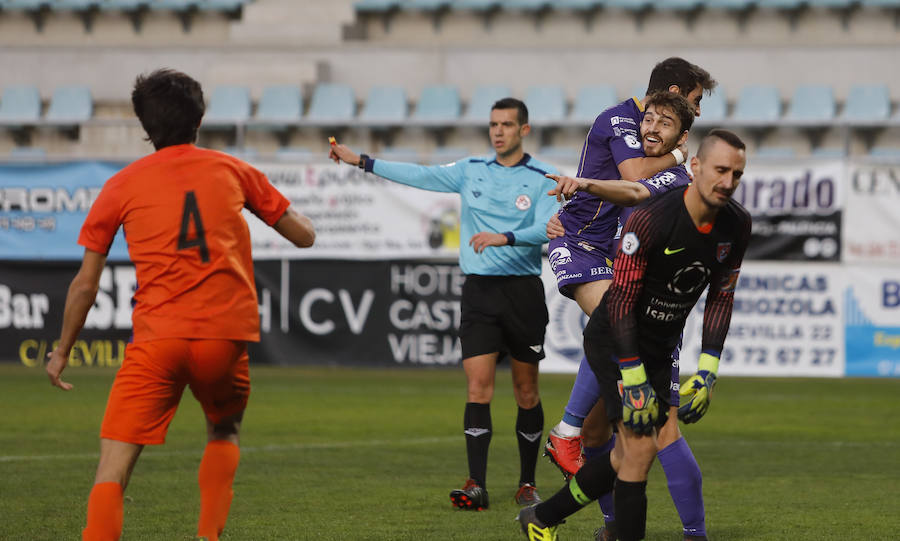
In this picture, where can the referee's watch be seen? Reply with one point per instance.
(363, 158)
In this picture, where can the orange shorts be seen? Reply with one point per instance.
(149, 384)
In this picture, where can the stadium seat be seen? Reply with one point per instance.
(20, 105)
(70, 105)
(887, 152)
(781, 4)
(279, 105)
(639, 91)
(867, 103)
(882, 3)
(631, 5)
(476, 5)
(758, 104)
(228, 105)
(591, 101)
(829, 153)
(26, 5)
(425, 5)
(483, 98)
(734, 5)
(399, 154)
(775, 153)
(174, 5)
(439, 104)
(385, 106)
(713, 107)
(447, 155)
(76, 5)
(124, 5)
(27, 154)
(527, 5)
(679, 5)
(578, 5)
(546, 105)
(223, 6)
(376, 6)
(812, 104)
(297, 154)
(562, 155)
(332, 104)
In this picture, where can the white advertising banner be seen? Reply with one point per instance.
(787, 321)
(871, 231)
(873, 320)
(360, 216)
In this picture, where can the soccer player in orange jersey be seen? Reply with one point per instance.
(195, 307)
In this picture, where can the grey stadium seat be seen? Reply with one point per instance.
(20, 105)
(385, 106)
(438, 104)
(279, 105)
(332, 104)
(758, 104)
(228, 105)
(591, 101)
(867, 103)
(546, 105)
(70, 105)
(812, 104)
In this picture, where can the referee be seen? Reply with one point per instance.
(504, 214)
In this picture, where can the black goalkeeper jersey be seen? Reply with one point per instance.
(663, 265)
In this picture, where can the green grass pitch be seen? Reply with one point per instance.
(341, 454)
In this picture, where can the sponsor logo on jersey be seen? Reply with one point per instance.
(622, 119)
(722, 251)
(559, 256)
(689, 279)
(476, 193)
(662, 180)
(630, 243)
(669, 251)
(585, 246)
(730, 282)
(523, 202)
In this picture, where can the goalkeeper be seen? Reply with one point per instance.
(673, 247)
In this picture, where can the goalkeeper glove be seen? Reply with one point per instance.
(639, 407)
(698, 389)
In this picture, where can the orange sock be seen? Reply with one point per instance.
(104, 513)
(220, 461)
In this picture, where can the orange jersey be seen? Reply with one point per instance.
(181, 213)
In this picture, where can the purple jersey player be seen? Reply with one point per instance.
(583, 242)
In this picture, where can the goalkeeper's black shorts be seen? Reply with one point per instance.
(659, 363)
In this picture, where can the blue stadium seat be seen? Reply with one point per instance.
(20, 105)
(174, 5)
(332, 104)
(578, 5)
(228, 105)
(781, 4)
(483, 98)
(888, 152)
(882, 3)
(639, 91)
(812, 103)
(679, 5)
(447, 155)
(631, 5)
(546, 105)
(70, 105)
(736, 5)
(297, 154)
(829, 153)
(591, 101)
(868, 103)
(376, 6)
(224, 6)
(26, 5)
(527, 5)
(385, 105)
(563, 155)
(833, 3)
(76, 5)
(758, 104)
(713, 107)
(438, 104)
(244, 153)
(399, 154)
(775, 153)
(28, 154)
(124, 5)
(476, 5)
(425, 5)
(280, 104)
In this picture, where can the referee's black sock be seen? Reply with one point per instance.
(594, 479)
(529, 429)
(478, 429)
(631, 509)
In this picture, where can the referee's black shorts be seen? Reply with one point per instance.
(506, 314)
(659, 363)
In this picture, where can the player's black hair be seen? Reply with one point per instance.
(675, 103)
(513, 103)
(723, 135)
(678, 71)
(169, 105)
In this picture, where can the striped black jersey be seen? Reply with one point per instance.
(663, 265)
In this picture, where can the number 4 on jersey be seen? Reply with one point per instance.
(192, 212)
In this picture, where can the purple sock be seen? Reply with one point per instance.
(685, 485)
(605, 500)
(585, 393)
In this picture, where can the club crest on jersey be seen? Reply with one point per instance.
(523, 202)
(722, 251)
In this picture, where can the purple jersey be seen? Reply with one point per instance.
(614, 138)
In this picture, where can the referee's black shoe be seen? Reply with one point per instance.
(470, 497)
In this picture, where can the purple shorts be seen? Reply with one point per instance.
(576, 262)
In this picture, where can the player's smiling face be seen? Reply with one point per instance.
(660, 131)
(506, 132)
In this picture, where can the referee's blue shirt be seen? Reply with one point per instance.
(496, 199)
